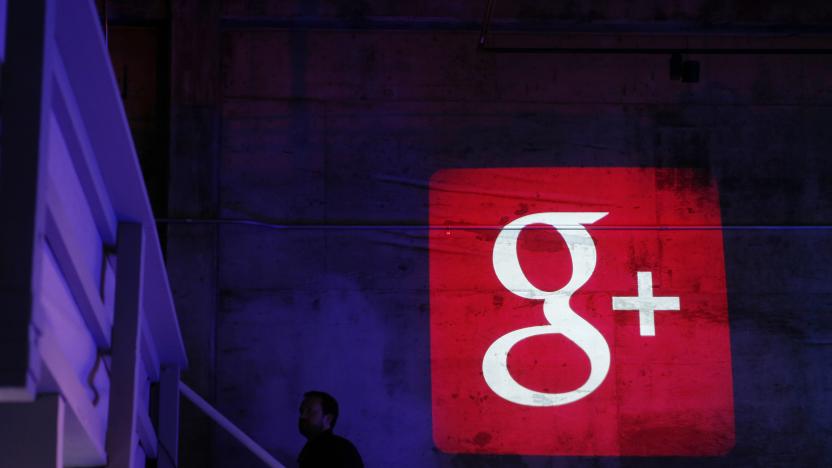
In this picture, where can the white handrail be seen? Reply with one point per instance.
(235, 431)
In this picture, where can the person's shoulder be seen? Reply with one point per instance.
(347, 450)
(342, 441)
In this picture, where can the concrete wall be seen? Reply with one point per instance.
(344, 126)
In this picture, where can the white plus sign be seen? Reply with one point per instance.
(646, 304)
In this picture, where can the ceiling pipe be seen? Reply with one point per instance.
(484, 42)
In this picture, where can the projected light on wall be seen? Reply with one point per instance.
(579, 311)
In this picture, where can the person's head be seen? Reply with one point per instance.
(318, 413)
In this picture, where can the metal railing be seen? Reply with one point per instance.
(229, 426)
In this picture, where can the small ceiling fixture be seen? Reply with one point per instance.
(685, 70)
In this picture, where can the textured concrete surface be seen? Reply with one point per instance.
(345, 127)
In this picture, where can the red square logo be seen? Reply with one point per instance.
(579, 311)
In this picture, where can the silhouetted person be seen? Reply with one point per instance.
(323, 449)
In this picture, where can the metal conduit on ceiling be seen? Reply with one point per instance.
(796, 39)
(659, 32)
